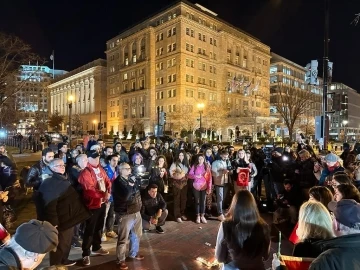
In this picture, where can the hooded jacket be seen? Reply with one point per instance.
(338, 253)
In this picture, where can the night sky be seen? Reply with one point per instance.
(78, 30)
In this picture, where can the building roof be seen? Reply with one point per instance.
(95, 63)
(275, 58)
(194, 6)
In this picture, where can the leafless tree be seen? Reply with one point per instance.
(56, 120)
(184, 116)
(216, 116)
(76, 124)
(356, 20)
(8, 114)
(291, 103)
(13, 53)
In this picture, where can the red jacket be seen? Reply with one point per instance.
(93, 197)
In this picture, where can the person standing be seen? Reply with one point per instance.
(63, 208)
(127, 205)
(96, 188)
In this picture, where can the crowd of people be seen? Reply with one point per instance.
(84, 191)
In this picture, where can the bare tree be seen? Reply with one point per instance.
(40, 122)
(184, 116)
(56, 120)
(8, 115)
(76, 124)
(291, 103)
(13, 53)
(356, 20)
(216, 116)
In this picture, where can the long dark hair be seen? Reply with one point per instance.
(321, 194)
(196, 162)
(246, 233)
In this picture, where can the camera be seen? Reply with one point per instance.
(132, 179)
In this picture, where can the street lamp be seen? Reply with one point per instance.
(345, 122)
(70, 100)
(200, 107)
(94, 125)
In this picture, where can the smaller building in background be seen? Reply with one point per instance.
(85, 89)
(31, 101)
(285, 73)
(345, 119)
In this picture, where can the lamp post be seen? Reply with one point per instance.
(70, 100)
(200, 107)
(94, 126)
(345, 122)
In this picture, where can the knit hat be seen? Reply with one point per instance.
(331, 158)
(37, 236)
(60, 145)
(93, 154)
(347, 212)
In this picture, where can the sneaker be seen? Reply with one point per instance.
(221, 217)
(137, 257)
(111, 234)
(184, 218)
(179, 220)
(122, 265)
(159, 230)
(76, 244)
(198, 220)
(86, 260)
(101, 251)
(103, 237)
(69, 263)
(203, 219)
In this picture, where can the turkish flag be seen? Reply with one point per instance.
(243, 177)
(296, 263)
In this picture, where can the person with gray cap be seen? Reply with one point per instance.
(28, 247)
(341, 252)
(332, 165)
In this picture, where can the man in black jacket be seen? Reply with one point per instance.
(63, 208)
(153, 210)
(127, 205)
(37, 173)
(39, 169)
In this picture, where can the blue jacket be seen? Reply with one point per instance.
(112, 176)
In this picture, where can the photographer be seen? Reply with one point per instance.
(288, 203)
(127, 206)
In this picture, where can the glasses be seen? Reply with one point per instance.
(59, 166)
(126, 168)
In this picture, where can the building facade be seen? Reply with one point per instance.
(85, 89)
(179, 58)
(285, 73)
(31, 101)
(345, 119)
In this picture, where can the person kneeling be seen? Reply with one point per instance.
(153, 210)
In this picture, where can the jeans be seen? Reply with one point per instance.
(76, 235)
(129, 229)
(93, 230)
(109, 218)
(221, 192)
(200, 201)
(161, 221)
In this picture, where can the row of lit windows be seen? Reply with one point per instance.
(170, 94)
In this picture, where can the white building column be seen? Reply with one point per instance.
(82, 98)
(77, 98)
(87, 92)
(52, 99)
(92, 95)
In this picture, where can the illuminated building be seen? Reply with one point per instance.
(87, 87)
(31, 100)
(182, 56)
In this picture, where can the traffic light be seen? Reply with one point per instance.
(162, 118)
(311, 76)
